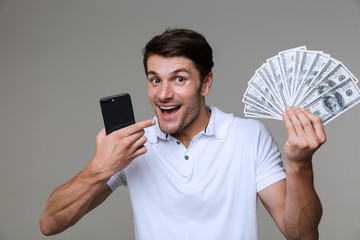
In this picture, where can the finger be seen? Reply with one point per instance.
(298, 128)
(288, 125)
(139, 151)
(317, 124)
(139, 143)
(101, 134)
(306, 124)
(139, 126)
(138, 147)
(134, 138)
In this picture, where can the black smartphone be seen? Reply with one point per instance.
(117, 112)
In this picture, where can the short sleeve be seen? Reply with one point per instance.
(117, 180)
(269, 168)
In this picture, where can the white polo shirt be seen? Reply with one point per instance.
(206, 191)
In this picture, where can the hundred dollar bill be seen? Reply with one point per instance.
(251, 94)
(287, 62)
(328, 67)
(265, 74)
(317, 64)
(251, 111)
(298, 77)
(297, 61)
(253, 103)
(336, 101)
(259, 116)
(306, 61)
(259, 86)
(274, 64)
(336, 76)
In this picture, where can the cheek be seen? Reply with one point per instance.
(188, 92)
(151, 93)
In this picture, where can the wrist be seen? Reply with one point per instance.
(94, 173)
(299, 175)
(298, 167)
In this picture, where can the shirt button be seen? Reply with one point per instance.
(186, 157)
(178, 142)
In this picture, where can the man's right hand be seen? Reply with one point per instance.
(88, 189)
(117, 150)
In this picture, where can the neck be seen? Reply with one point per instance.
(199, 124)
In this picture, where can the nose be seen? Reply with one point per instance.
(166, 91)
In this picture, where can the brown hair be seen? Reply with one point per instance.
(182, 43)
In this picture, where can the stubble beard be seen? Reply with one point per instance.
(186, 118)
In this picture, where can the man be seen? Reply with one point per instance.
(198, 172)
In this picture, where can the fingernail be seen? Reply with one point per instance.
(295, 107)
(287, 108)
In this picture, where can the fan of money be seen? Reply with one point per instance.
(304, 78)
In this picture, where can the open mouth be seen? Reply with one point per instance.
(169, 111)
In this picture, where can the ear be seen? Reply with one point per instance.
(206, 85)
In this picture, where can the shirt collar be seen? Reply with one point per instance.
(218, 126)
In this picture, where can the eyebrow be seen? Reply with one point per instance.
(151, 73)
(172, 73)
(181, 70)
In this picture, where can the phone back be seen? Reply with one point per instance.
(117, 112)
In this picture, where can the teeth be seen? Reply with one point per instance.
(167, 108)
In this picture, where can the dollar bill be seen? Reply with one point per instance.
(336, 76)
(262, 89)
(253, 96)
(298, 77)
(279, 81)
(306, 61)
(259, 116)
(297, 66)
(264, 72)
(328, 67)
(317, 63)
(252, 111)
(287, 62)
(336, 101)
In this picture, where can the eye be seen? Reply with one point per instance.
(155, 80)
(179, 79)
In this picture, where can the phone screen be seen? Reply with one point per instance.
(117, 112)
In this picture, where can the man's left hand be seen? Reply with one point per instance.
(305, 135)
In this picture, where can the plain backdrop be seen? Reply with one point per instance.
(59, 57)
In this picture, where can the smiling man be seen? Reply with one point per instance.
(195, 172)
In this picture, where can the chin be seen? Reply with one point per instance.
(167, 129)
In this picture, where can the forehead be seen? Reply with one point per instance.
(165, 65)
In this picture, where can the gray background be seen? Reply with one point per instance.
(58, 58)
